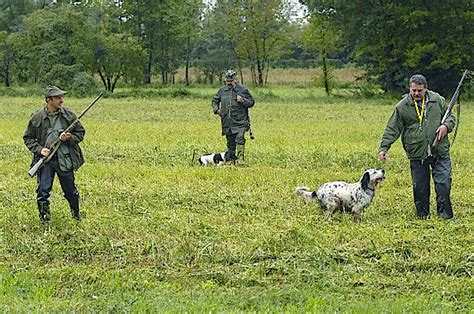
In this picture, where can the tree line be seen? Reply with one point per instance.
(145, 41)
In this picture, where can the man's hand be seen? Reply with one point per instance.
(240, 99)
(45, 152)
(383, 155)
(441, 132)
(218, 111)
(65, 136)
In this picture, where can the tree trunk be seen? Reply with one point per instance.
(186, 74)
(147, 78)
(260, 72)
(102, 78)
(239, 64)
(325, 73)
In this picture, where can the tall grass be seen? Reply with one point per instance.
(161, 233)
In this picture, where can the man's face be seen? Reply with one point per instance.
(417, 91)
(229, 82)
(55, 102)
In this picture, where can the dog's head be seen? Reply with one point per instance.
(219, 158)
(371, 178)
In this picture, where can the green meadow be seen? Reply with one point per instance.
(160, 233)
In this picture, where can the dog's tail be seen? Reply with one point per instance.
(305, 193)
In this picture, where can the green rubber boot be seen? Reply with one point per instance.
(240, 153)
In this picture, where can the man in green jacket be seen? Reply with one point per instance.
(417, 119)
(44, 127)
(231, 103)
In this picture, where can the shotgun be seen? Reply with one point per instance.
(454, 100)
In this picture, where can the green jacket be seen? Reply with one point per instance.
(418, 142)
(234, 115)
(36, 134)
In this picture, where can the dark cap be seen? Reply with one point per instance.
(52, 91)
(229, 75)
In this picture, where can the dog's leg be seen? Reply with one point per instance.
(356, 213)
(331, 208)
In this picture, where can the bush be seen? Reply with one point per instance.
(72, 78)
(84, 84)
(61, 75)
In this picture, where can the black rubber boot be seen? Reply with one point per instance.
(74, 205)
(230, 156)
(44, 214)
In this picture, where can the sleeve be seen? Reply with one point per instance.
(215, 103)
(77, 134)
(392, 131)
(451, 120)
(248, 99)
(30, 139)
(78, 131)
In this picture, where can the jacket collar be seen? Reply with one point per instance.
(428, 96)
(44, 112)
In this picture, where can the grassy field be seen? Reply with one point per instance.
(162, 234)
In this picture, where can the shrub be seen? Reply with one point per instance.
(72, 78)
(84, 84)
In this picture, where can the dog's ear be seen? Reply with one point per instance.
(364, 182)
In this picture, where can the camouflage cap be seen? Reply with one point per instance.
(52, 91)
(229, 75)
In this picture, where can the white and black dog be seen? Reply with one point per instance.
(351, 197)
(212, 159)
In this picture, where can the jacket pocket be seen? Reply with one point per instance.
(414, 147)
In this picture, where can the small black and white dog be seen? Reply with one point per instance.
(351, 197)
(212, 159)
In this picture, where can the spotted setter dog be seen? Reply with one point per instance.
(351, 197)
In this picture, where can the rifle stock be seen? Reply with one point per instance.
(36, 167)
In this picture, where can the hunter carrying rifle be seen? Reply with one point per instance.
(232, 102)
(423, 120)
(53, 136)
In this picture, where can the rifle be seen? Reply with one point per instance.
(250, 127)
(447, 114)
(55, 145)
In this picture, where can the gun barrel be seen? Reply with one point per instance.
(453, 99)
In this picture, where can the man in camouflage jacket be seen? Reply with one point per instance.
(231, 103)
(44, 127)
(417, 119)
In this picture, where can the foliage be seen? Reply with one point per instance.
(323, 37)
(257, 29)
(160, 234)
(215, 53)
(6, 59)
(44, 40)
(75, 42)
(115, 56)
(394, 39)
(391, 40)
(72, 78)
(84, 84)
(164, 27)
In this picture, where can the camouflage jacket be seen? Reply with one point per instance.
(37, 130)
(234, 115)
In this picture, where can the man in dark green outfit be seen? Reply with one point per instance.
(44, 127)
(417, 119)
(231, 103)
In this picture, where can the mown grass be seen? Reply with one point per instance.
(162, 234)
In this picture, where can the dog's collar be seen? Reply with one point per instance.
(373, 190)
